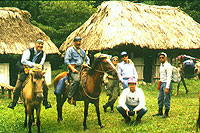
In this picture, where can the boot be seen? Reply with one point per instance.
(111, 107)
(160, 113)
(72, 101)
(166, 113)
(138, 120)
(105, 107)
(14, 102)
(45, 102)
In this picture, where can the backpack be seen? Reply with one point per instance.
(176, 77)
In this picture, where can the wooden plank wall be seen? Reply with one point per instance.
(139, 65)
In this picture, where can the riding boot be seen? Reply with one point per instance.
(160, 113)
(111, 107)
(14, 102)
(45, 102)
(166, 113)
(105, 107)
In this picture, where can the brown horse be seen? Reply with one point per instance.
(33, 95)
(90, 91)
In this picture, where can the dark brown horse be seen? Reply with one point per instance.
(91, 90)
(33, 95)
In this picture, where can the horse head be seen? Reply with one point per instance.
(37, 77)
(102, 63)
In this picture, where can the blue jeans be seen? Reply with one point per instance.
(164, 99)
(125, 83)
(140, 113)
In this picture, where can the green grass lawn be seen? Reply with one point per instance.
(182, 116)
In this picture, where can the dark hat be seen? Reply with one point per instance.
(123, 53)
(76, 39)
(162, 53)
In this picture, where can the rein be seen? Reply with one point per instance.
(101, 71)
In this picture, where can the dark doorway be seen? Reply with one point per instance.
(148, 61)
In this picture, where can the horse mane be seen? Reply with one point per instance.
(93, 66)
(38, 75)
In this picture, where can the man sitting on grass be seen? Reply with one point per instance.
(132, 101)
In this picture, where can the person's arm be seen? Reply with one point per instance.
(43, 59)
(25, 58)
(135, 72)
(119, 70)
(169, 75)
(122, 100)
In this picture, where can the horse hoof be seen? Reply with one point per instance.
(85, 129)
(101, 127)
(59, 119)
(34, 124)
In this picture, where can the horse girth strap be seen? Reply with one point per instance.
(83, 75)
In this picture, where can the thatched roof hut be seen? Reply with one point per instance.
(18, 34)
(146, 26)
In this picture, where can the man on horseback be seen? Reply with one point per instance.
(32, 57)
(75, 58)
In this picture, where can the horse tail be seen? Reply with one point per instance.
(58, 77)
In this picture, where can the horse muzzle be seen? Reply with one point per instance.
(39, 96)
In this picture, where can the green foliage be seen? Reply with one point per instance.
(182, 116)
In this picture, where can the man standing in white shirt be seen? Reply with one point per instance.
(132, 101)
(164, 86)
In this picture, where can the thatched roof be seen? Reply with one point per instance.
(122, 22)
(18, 34)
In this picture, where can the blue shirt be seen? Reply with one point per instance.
(73, 57)
(126, 70)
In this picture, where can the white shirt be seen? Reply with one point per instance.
(133, 99)
(166, 73)
(26, 57)
(126, 70)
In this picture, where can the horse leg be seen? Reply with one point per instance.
(178, 88)
(86, 105)
(33, 118)
(60, 102)
(38, 118)
(29, 110)
(25, 121)
(184, 85)
(98, 113)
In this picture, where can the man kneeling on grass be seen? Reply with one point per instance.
(132, 101)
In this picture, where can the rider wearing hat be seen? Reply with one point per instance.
(75, 58)
(132, 101)
(32, 57)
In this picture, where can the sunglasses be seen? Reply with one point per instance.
(115, 60)
(162, 57)
(124, 56)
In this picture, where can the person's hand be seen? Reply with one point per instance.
(74, 70)
(38, 66)
(127, 112)
(130, 61)
(166, 90)
(158, 87)
(84, 65)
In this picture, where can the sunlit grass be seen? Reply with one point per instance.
(182, 116)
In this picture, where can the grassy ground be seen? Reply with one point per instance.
(182, 116)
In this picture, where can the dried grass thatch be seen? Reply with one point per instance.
(17, 33)
(122, 22)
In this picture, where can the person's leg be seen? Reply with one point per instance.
(45, 93)
(140, 114)
(16, 93)
(160, 100)
(123, 113)
(167, 98)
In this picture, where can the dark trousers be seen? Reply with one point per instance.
(19, 85)
(140, 113)
(112, 91)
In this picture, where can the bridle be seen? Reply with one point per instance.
(101, 71)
